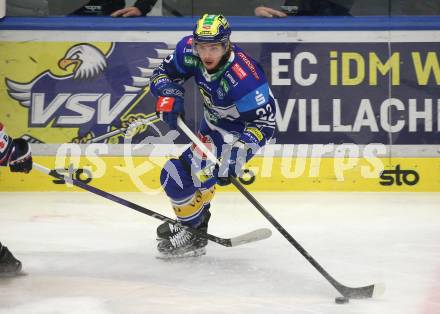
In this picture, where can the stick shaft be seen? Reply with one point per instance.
(151, 118)
(117, 199)
(344, 290)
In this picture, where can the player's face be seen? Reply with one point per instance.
(210, 54)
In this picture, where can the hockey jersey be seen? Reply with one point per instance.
(235, 98)
(6, 145)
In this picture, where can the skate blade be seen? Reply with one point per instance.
(189, 254)
(13, 274)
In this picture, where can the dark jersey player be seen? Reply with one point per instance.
(238, 119)
(16, 154)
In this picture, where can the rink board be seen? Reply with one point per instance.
(141, 174)
(359, 81)
(329, 87)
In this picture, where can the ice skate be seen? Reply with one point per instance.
(165, 230)
(175, 242)
(9, 265)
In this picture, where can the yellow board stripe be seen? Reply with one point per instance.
(141, 174)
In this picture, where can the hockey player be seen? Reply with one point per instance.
(238, 119)
(16, 154)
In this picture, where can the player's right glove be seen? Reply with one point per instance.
(21, 156)
(232, 163)
(233, 160)
(169, 104)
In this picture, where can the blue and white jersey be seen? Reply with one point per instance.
(236, 97)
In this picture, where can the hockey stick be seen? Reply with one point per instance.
(151, 118)
(256, 235)
(349, 292)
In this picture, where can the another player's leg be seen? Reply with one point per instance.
(9, 265)
(191, 205)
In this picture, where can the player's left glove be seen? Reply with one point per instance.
(169, 104)
(241, 152)
(21, 156)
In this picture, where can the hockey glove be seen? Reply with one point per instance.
(241, 152)
(231, 163)
(169, 104)
(21, 157)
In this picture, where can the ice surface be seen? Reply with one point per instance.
(85, 254)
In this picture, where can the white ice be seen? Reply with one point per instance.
(85, 254)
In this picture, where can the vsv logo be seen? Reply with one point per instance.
(399, 176)
(96, 90)
(76, 109)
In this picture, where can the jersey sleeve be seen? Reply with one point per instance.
(175, 68)
(253, 98)
(257, 109)
(6, 145)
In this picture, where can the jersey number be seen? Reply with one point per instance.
(265, 113)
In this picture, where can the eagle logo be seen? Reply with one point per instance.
(87, 60)
(100, 92)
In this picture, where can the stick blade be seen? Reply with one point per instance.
(253, 236)
(379, 289)
(371, 291)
